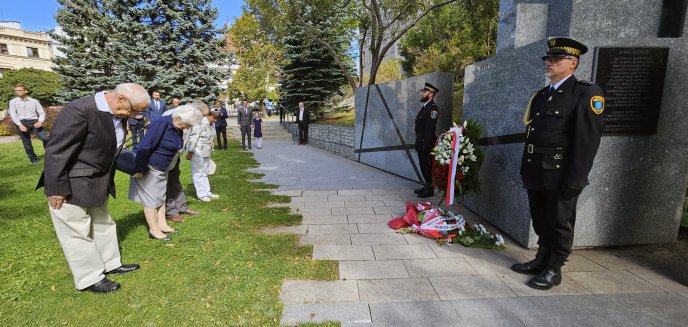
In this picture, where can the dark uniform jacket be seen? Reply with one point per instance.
(79, 157)
(426, 124)
(563, 136)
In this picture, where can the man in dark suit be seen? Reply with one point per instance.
(426, 124)
(564, 123)
(245, 122)
(156, 107)
(303, 119)
(78, 177)
(135, 125)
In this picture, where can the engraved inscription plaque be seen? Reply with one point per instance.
(633, 81)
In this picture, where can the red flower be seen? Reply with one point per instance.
(459, 175)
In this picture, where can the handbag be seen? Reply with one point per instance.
(126, 162)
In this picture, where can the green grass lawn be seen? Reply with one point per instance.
(340, 118)
(219, 271)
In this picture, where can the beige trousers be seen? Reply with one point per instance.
(88, 237)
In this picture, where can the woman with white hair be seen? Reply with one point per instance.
(198, 149)
(156, 154)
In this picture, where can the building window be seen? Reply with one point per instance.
(32, 52)
(3, 49)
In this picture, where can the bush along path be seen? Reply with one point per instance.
(220, 270)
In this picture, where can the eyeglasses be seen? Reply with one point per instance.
(555, 60)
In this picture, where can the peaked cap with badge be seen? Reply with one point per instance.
(563, 130)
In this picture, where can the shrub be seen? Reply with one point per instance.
(43, 85)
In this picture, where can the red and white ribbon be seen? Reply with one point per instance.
(457, 131)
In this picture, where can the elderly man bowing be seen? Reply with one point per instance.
(78, 177)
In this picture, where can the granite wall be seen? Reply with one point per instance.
(385, 118)
(638, 182)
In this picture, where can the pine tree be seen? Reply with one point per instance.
(183, 51)
(310, 74)
(89, 63)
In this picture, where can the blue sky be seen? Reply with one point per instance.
(38, 15)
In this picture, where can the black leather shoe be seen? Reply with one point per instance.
(426, 193)
(534, 266)
(123, 269)
(547, 279)
(103, 286)
(166, 238)
(418, 190)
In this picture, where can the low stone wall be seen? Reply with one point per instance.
(336, 139)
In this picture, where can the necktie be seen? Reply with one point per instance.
(157, 104)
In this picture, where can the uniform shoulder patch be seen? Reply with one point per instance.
(434, 114)
(584, 82)
(597, 104)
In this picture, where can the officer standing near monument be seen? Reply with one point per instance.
(426, 124)
(564, 123)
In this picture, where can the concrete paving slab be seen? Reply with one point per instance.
(518, 284)
(355, 192)
(332, 229)
(313, 211)
(580, 263)
(353, 211)
(396, 290)
(672, 280)
(607, 320)
(369, 219)
(342, 252)
(377, 239)
(318, 193)
(438, 267)
(374, 228)
(426, 313)
(311, 291)
(372, 269)
(386, 191)
(394, 211)
(295, 314)
(409, 251)
(328, 204)
(364, 204)
(395, 204)
(413, 238)
(346, 198)
(496, 308)
(325, 240)
(470, 287)
(606, 282)
(391, 197)
(309, 219)
(299, 230)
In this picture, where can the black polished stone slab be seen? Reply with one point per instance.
(633, 82)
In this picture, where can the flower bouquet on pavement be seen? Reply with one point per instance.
(444, 226)
(456, 161)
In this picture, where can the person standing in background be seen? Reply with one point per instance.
(303, 119)
(156, 107)
(28, 115)
(244, 122)
(258, 129)
(221, 126)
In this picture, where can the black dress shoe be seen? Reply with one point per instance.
(534, 266)
(123, 269)
(166, 238)
(426, 193)
(417, 191)
(103, 286)
(546, 279)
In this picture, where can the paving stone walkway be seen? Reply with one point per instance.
(390, 279)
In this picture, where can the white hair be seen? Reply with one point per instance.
(136, 94)
(187, 114)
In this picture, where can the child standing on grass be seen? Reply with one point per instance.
(258, 129)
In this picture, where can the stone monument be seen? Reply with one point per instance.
(639, 57)
(385, 115)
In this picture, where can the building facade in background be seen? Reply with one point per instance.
(24, 49)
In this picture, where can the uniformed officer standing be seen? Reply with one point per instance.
(426, 123)
(564, 125)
